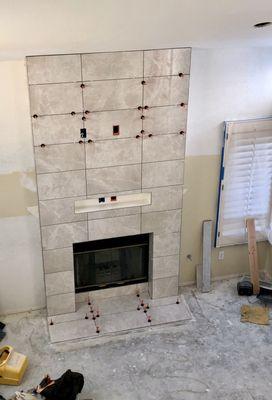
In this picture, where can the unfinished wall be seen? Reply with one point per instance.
(225, 85)
(21, 278)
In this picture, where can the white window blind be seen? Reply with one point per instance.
(246, 177)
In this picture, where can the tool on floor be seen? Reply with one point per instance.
(12, 366)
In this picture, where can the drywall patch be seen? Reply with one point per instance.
(17, 194)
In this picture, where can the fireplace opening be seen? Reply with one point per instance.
(101, 264)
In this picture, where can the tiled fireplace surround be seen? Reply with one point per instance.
(146, 94)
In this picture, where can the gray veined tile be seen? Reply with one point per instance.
(114, 227)
(163, 287)
(56, 129)
(167, 62)
(58, 260)
(170, 313)
(54, 69)
(116, 65)
(61, 184)
(123, 321)
(109, 153)
(163, 148)
(164, 198)
(63, 235)
(59, 157)
(72, 330)
(59, 283)
(57, 211)
(166, 244)
(112, 95)
(161, 221)
(60, 304)
(113, 179)
(166, 91)
(167, 119)
(163, 173)
(165, 266)
(59, 98)
(100, 124)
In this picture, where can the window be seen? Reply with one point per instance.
(245, 181)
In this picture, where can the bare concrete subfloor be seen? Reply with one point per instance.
(214, 356)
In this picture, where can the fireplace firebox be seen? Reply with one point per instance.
(114, 262)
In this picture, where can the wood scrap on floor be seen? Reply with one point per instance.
(255, 314)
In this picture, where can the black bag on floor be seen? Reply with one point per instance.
(66, 387)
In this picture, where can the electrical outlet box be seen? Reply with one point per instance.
(221, 255)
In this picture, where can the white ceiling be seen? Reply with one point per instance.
(30, 27)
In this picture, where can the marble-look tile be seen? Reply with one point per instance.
(59, 283)
(123, 321)
(163, 173)
(100, 124)
(164, 198)
(166, 244)
(114, 213)
(166, 91)
(54, 69)
(72, 330)
(61, 184)
(59, 157)
(108, 153)
(58, 260)
(114, 227)
(165, 266)
(161, 222)
(63, 235)
(170, 313)
(162, 120)
(114, 305)
(55, 98)
(59, 211)
(113, 179)
(56, 129)
(117, 65)
(113, 95)
(112, 292)
(167, 62)
(163, 147)
(164, 287)
(61, 304)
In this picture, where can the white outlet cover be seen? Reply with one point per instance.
(221, 255)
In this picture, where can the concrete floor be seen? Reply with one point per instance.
(214, 356)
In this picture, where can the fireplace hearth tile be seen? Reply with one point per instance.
(116, 317)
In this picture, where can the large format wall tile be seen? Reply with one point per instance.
(59, 283)
(63, 235)
(123, 64)
(113, 179)
(165, 266)
(166, 91)
(163, 147)
(164, 287)
(114, 227)
(61, 304)
(164, 198)
(54, 69)
(161, 120)
(161, 222)
(109, 153)
(57, 98)
(162, 173)
(60, 157)
(58, 260)
(61, 184)
(166, 244)
(56, 129)
(167, 62)
(112, 95)
(100, 124)
(59, 211)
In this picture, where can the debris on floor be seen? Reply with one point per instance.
(2, 333)
(255, 314)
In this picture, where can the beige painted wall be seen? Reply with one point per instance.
(225, 85)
